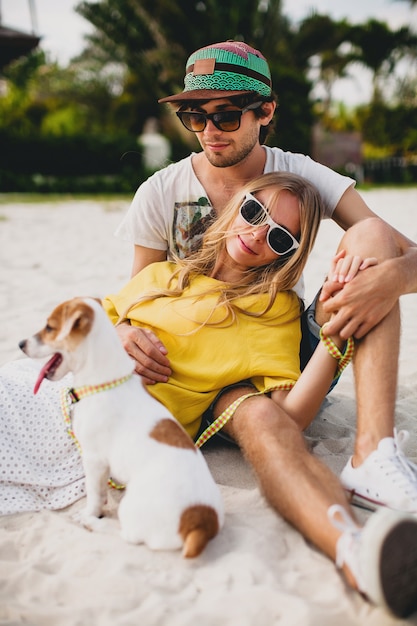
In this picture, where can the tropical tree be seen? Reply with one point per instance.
(42, 97)
(380, 49)
(321, 47)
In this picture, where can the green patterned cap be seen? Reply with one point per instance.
(223, 70)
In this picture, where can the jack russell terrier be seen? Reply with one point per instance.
(171, 499)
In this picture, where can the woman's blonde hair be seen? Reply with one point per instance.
(279, 275)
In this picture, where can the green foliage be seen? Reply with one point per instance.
(49, 163)
(379, 49)
(385, 126)
(42, 97)
(65, 121)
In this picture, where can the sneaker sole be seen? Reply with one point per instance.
(389, 558)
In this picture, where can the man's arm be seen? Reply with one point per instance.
(145, 256)
(352, 208)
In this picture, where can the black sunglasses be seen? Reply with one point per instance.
(278, 238)
(227, 121)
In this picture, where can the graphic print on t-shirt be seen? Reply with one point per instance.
(191, 220)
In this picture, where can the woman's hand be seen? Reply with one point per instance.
(343, 269)
(352, 306)
(147, 351)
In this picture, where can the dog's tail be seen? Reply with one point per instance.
(198, 524)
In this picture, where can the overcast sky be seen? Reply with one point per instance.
(62, 29)
(394, 12)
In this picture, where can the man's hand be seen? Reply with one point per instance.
(147, 351)
(356, 306)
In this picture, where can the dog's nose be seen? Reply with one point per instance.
(22, 344)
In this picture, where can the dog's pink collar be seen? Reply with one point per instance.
(72, 395)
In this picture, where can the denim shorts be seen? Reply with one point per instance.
(310, 333)
(310, 337)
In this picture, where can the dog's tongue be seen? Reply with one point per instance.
(44, 371)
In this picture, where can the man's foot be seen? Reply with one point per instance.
(385, 478)
(382, 556)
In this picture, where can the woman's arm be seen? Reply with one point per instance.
(303, 401)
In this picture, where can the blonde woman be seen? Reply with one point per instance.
(228, 313)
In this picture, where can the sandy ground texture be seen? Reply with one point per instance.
(259, 571)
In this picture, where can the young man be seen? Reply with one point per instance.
(228, 103)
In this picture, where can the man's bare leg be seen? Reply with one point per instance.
(375, 363)
(304, 491)
(296, 484)
(378, 473)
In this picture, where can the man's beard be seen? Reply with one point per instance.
(233, 159)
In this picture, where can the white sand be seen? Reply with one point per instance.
(258, 571)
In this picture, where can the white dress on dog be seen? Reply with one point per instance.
(40, 466)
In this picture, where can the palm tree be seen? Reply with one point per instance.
(380, 49)
(320, 44)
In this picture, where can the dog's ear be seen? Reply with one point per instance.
(77, 318)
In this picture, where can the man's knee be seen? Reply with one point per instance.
(259, 417)
(370, 237)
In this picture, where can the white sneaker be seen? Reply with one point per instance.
(385, 478)
(382, 556)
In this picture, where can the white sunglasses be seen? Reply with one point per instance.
(278, 238)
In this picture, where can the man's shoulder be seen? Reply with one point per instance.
(169, 179)
(174, 168)
(277, 158)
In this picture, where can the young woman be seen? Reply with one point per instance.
(228, 313)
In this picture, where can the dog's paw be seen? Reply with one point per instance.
(96, 524)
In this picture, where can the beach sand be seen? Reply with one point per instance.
(258, 571)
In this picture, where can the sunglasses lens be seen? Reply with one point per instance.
(192, 121)
(279, 240)
(252, 212)
(227, 120)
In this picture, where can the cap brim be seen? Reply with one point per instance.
(204, 94)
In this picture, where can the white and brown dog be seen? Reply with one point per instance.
(171, 499)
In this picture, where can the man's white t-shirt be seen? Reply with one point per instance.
(171, 210)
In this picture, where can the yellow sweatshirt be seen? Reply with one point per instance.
(204, 359)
